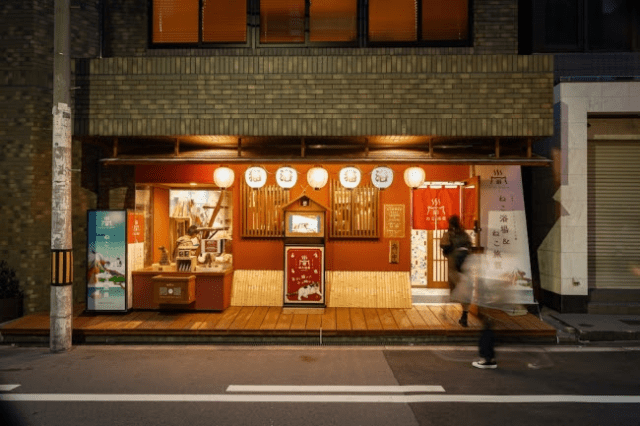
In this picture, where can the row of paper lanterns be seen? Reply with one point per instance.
(350, 177)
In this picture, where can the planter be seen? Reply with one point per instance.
(10, 309)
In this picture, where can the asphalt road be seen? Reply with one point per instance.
(253, 385)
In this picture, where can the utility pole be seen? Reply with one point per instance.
(61, 235)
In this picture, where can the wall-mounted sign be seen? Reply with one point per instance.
(382, 177)
(286, 177)
(255, 177)
(106, 260)
(394, 221)
(350, 177)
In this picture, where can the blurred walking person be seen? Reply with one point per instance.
(455, 245)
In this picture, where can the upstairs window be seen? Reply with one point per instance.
(285, 21)
(402, 21)
(199, 21)
(585, 25)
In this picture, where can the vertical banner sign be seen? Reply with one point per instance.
(135, 248)
(304, 275)
(106, 260)
(507, 246)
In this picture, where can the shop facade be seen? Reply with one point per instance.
(151, 120)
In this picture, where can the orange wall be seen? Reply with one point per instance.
(266, 254)
(160, 222)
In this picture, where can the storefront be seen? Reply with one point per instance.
(358, 234)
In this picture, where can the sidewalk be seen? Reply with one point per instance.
(591, 328)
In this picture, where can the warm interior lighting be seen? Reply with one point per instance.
(223, 177)
(255, 177)
(350, 177)
(317, 177)
(414, 177)
(286, 177)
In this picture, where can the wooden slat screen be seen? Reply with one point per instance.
(354, 212)
(261, 211)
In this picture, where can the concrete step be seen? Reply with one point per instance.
(614, 308)
(614, 295)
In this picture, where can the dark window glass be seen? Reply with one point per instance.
(333, 20)
(561, 23)
(445, 20)
(609, 25)
(393, 21)
(282, 21)
(175, 21)
(224, 21)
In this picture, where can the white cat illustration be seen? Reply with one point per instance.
(306, 291)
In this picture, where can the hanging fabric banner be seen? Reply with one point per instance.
(432, 207)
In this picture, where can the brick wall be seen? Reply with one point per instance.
(454, 95)
(26, 95)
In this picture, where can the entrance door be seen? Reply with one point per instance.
(429, 265)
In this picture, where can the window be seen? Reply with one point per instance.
(284, 21)
(418, 21)
(585, 25)
(203, 23)
(199, 21)
(262, 211)
(354, 212)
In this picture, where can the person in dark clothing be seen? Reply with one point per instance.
(455, 245)
(486, 347)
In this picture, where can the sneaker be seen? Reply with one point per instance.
(485, 364)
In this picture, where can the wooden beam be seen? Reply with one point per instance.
(302, 147)
(497, 148)
(176, 147)
(529, 151)
(430, 148)
(115, 147)
(239, 147)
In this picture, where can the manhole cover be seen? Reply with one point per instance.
(631, 322)
(586, 325)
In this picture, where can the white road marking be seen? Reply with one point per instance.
(333, 389)
(307, 399)
(7, 388)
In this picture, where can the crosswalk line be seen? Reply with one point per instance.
(8, 388)
(334, 389)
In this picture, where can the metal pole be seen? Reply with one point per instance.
(61, 235)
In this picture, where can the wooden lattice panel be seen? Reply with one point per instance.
(262, 215)
(354, 212)
(257, 288)
(369, 289)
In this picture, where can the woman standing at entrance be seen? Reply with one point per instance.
(455, 245)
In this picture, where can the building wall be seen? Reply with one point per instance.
(26, 93)
(455, 95)
(563, 254)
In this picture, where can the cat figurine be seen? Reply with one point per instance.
(306, 291)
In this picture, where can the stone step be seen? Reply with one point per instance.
(614, 308)
(614, 295)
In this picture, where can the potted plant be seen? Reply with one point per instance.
(10, 293)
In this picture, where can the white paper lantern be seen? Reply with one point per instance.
(414, 177)
(255, 177)
(223, 177)
(317, 177)
(286, 177)
(350, 177)
(382, 177)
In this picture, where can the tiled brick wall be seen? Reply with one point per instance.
(454, 95)
(26, 97)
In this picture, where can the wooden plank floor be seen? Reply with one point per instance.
(420, 320)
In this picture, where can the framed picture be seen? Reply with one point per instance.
(304, 224)
(304, 275)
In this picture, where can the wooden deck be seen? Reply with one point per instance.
(422, 322)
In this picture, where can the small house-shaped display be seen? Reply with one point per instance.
(304, 233)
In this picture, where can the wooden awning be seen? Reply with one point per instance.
(278, 149)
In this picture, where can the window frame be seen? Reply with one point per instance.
(468, 42)
(537, 33)
(200, 44)
(361, 39)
